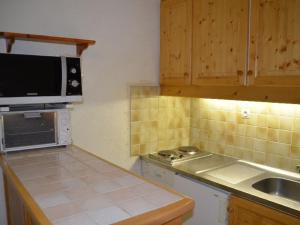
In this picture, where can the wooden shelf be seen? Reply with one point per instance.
(81, 44)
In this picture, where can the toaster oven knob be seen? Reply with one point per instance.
(73, 70)
(74, 83)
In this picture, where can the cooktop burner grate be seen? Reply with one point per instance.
(178, 155)
(168, 153)
(188, 150)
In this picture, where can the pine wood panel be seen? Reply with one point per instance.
(46, 38)
(269, 222)
(162, 216)
(253, 93)
(17, 212)
(220, 29)
(244, 217)
(177, 221)
(275, 43)
(21, 208)
(15, 209)
(244, 212)
(176, 35)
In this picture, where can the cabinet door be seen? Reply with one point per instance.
(244, 212)
(270, 222)
(176, 40)
(275, 43)
(210, 203)
(220, 30)
(244, 217)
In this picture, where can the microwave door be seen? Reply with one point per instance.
(33, 76)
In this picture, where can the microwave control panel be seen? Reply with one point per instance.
(74, 86)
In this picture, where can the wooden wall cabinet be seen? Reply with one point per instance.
(275, 43)
(176, 42)
(237, 43)
(244, 212)
(219, 52)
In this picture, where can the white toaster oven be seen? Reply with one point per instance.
(21, 130)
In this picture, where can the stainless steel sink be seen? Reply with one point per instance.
(280, 187)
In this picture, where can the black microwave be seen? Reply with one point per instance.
(31, 79)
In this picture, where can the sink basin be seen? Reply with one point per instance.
(280, 187)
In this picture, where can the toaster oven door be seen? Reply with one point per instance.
(28, 130)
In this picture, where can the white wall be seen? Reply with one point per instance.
(126, 52)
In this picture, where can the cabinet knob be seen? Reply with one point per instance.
(250, 73)
(186, 74)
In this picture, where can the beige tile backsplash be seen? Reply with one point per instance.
(271, 134)
(158, 122)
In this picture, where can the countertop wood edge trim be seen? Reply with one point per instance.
(30, 203)
(46, 38)
(11, 37)
(162, 215)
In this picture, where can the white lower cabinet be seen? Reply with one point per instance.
(3, 219)
(158, 174)
(211, 203)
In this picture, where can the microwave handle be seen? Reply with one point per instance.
(63, 76)
(2, 144)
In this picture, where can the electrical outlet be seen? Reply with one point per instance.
(245, 113)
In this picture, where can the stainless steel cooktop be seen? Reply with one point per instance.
(178, 155)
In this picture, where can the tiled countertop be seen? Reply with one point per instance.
(74, 187)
